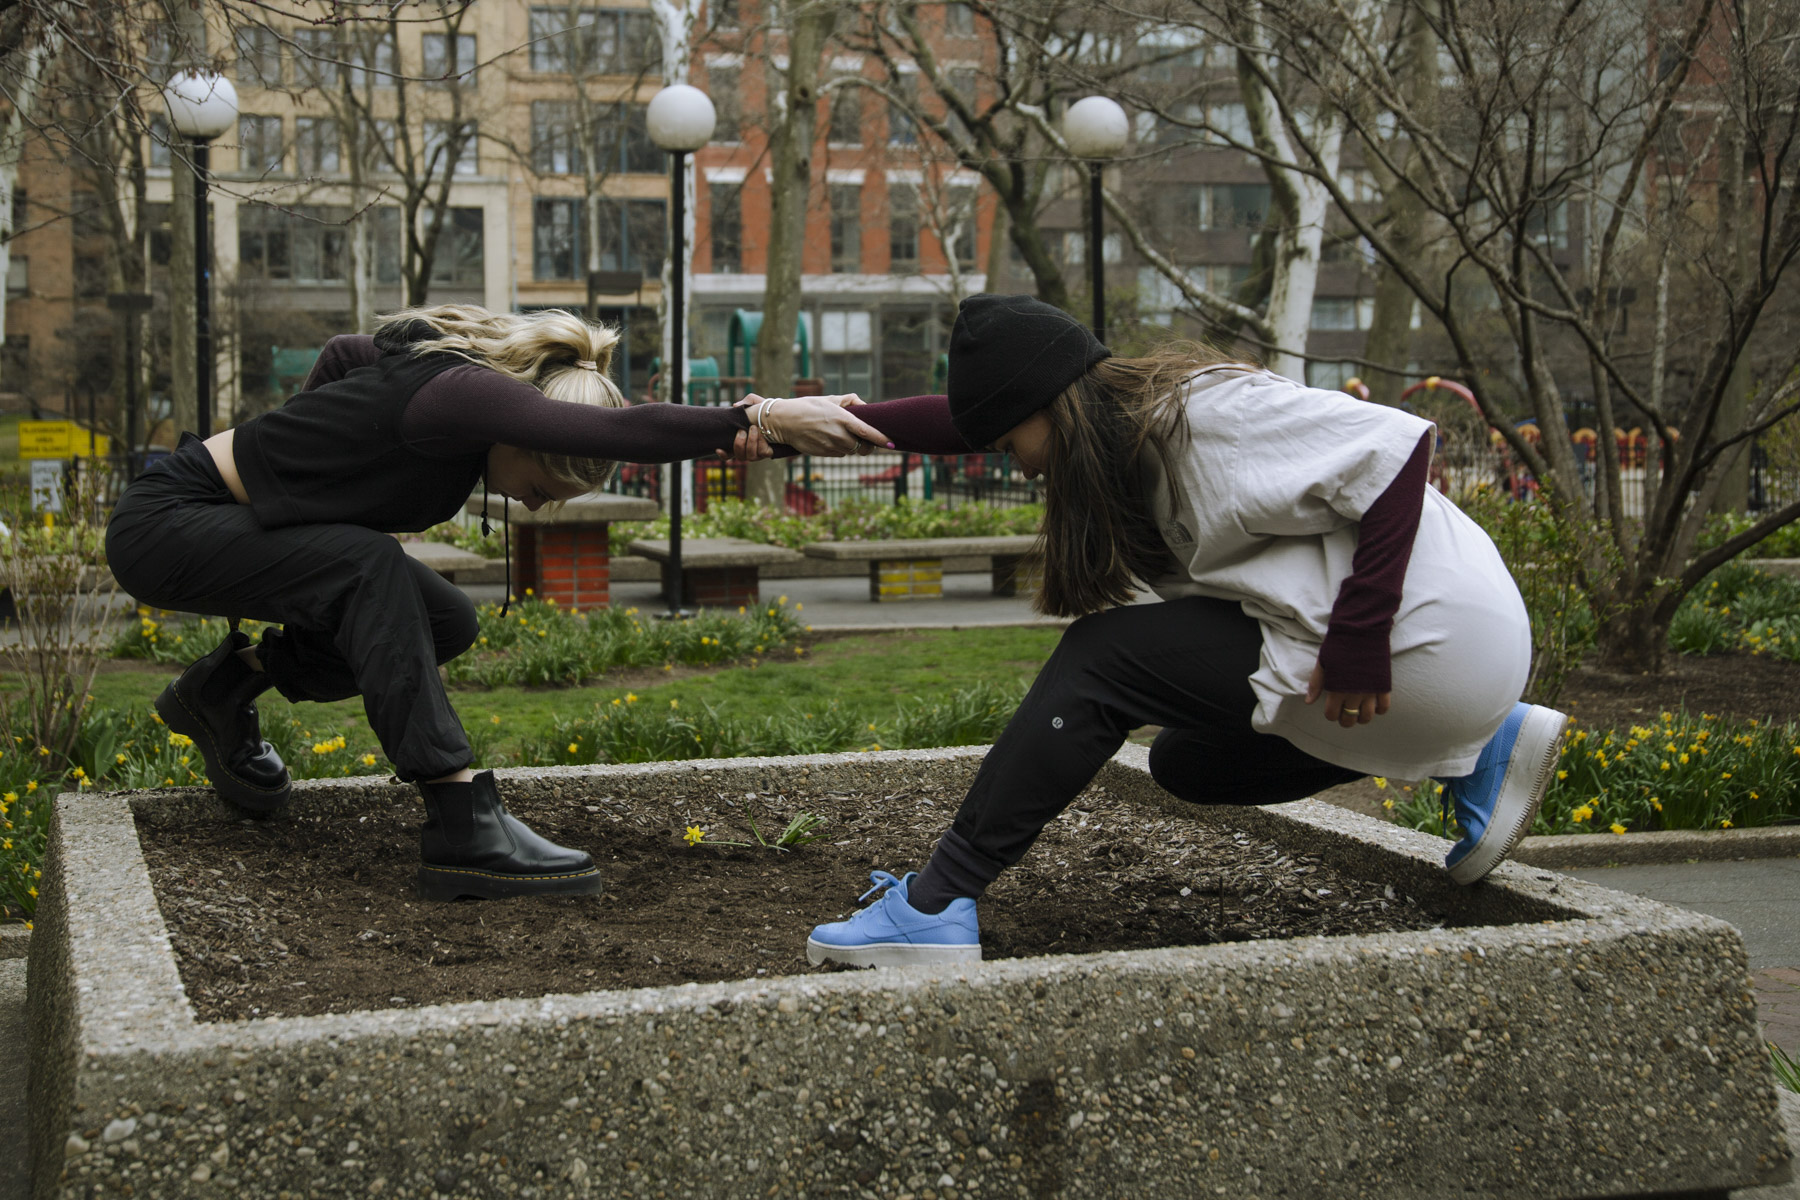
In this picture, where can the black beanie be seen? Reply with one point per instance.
(1009, 357)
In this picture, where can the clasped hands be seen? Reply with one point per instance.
(820, 425)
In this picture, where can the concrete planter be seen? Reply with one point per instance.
(1558, 1040)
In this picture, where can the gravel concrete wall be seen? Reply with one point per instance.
(1557, 1039)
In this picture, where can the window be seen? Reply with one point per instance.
(371, 60)
(958, 228)
(1330, 375)
(259, 144)
(903, 227)
(595, 41)
(459, 260)
(384, 145)
(1342, 313)
(1112, 248)
(623, 141)
(258, 56)
(845, 352)
(727, 224)
(15, 361)
(303, 245)
(633, 236)
(18, 275)
(1549, 224)
(446, 138)
(962, 82)
(1230, 122)
(21, 210)
(159, 51)
(846, 229)
(555, 146)
(84, 209)
(90, 276)
(316, 57)
(959, 20)
(723, 87)
(156, 220)
(448, 58)
(1234, 206)
(160, 155)
(555, 239)
(1358, 185)
(845, 123)
(724, 14)
(317, 150)
(902, 129)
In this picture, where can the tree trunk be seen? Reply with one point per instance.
(809, 23)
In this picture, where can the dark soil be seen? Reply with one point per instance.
(311, 914)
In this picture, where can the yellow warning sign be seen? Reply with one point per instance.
(60, 439)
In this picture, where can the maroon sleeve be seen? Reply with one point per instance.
(341, 355)
(915, 425)
(1355, 656)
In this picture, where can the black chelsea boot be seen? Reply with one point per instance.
(214, 703)
(471, 846)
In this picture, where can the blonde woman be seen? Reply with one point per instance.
(1325, 614)
(287, 517)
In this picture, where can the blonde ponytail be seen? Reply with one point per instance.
(554, 351)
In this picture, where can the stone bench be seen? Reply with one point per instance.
(1552, 1039)
(456, 565)
(913, 568)
(716, 572)
(562, 554)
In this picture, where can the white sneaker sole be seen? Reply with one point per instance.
(1528, 774)
(891, 954)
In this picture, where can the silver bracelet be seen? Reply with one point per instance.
(762, 419)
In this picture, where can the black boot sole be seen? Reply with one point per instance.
(454, 883)
(252, 798)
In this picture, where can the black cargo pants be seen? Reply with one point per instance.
(1184, 665)
(360, 617)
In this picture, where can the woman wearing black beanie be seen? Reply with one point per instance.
(1300, 558)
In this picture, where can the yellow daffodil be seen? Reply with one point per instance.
(693, 835)
(1380, 781)
(1617, 828)
(573, 747)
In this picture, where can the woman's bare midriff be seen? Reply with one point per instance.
(219, 446)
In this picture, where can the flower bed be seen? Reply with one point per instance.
(1251, 1067)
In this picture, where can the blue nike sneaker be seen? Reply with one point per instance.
(892, 933)
(1497, 802)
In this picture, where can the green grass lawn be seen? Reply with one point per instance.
(866, 674)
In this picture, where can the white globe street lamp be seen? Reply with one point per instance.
(1096, 129)
(202, 106)
(680, 120)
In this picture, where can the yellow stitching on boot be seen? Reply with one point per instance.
(496, 875)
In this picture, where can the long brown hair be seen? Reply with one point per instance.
(1099, 533)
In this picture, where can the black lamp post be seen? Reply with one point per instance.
(680, 120)
(201, 107)
(1096, 129)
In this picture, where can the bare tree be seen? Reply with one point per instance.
(1572, 155)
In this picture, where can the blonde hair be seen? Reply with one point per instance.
(554, 351)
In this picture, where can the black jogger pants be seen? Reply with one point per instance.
(1184, 665)
(360, 617)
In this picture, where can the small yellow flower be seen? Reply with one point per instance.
(30, 786)
(368, 760)
(573, 747)
(674, 704)
(693, 835)
(616, 701)
(1388, 803)
(1581, 814)
(1617, 828)
(180, 739)
(1725, 824)
(630, 697)
(119, 760)
(11, 796)
(1380, 781)
(1683, 760)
